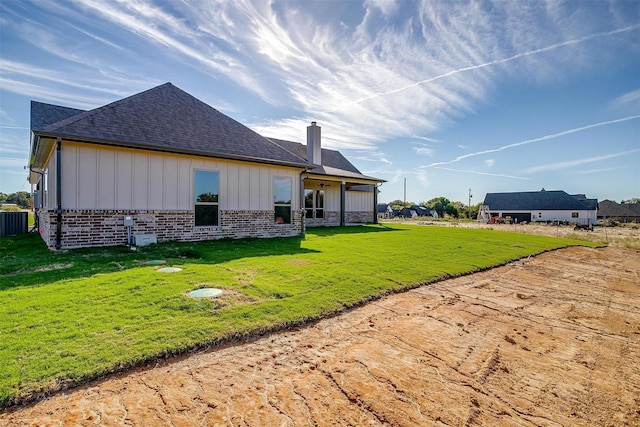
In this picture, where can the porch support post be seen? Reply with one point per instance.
(59, 193)
(303, 220)
(375, 203)
(343, 193)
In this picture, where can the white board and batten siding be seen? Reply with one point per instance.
(355, 201)
(565, 215)
(99, 177)
(358, 201)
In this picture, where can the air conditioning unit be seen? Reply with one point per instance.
(37, 199)
(144, 239)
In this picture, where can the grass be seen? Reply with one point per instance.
(70, 316)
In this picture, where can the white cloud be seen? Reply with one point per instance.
(424, 138)
(25, 71)
(489, 162)
(157, 26)
(374, 157)
(387, 7)
(14, 149)
(54, 94)
(577, 162)
(339, 75)
(13, 162)
(366, 82)
(590, 171)
(627, 101)
(424, 149)
(531, 141)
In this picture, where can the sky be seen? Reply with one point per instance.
(455, 97)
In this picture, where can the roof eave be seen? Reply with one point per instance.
(359, 180)
(41, 147)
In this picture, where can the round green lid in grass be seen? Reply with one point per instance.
(205, 293)
(169, 269)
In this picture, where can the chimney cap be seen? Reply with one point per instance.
(314, 123)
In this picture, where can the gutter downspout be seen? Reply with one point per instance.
(375, 204)
(59, 193)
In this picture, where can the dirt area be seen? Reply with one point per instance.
(552, 340)
(621, 236)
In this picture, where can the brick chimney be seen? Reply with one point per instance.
(314, 150)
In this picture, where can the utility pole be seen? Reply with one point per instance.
(404, 201)
(470, 196)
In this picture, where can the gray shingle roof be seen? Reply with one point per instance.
(607, 208)
(168, 119)
(333, 162)
(537, 200)
(43, 115)
(383, 207)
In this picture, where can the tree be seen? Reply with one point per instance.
(21, 198)
(463, 209)
(3, 198)
(631, 201)
(399, 204)
(475, 209)
(442, 206)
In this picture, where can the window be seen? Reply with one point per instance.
(314, 203)
(205, 195)
(574, 214)
(282, 200)
(45, 190)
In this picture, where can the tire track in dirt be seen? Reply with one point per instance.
(549, 340)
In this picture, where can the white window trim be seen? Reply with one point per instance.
(194, 202)
(290, 204)
(314, 201)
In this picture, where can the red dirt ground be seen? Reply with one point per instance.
(552, 340)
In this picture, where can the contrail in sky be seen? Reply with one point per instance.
(571, 163)
(499, 61)
(529, 141)
(481, 173)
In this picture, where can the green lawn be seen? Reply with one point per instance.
(69, 316)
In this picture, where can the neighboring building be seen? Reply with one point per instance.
(181, 170)
(421, 210)
(539, 206)
(414, 211)
(385, 211)
(621, 212)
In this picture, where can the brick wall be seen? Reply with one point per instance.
(332, 218)
(45, 218)
(83, 228)
(358, 217)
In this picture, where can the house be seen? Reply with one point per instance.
(421, 210)
(163, 164)
(335, 192)
(539, 206)
(385, 211)
(414, 211)
(621, 212)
